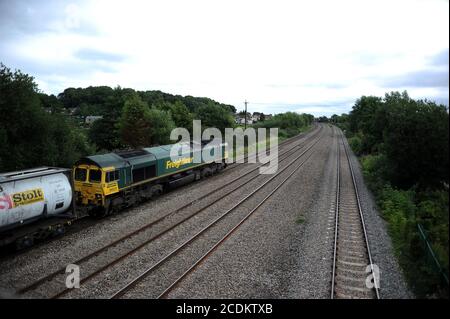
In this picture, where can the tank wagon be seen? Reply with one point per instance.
(42, 196)
(109, 182)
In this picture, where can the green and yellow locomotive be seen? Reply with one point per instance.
(108, 182)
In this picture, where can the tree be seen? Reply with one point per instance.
(368, 116)
(412, 135)
(214, 116)
(134, 125)
(22, 117)
(30, 136)
(104, 133)
(289, 123)
(160, 125)
(415, 140)
(181, 116)
(141, 126)
(51, 103)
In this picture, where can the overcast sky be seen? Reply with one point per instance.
(309, 56)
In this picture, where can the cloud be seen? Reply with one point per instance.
(315, 108)
(419, 79)
(288, 55)
(90, 54)
(25, 17)
(328, 85)
(435, 74)
(373, 58)
(323, 110)
(440, 59)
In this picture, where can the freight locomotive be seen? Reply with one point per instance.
(41, 202)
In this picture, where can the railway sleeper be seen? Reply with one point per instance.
(358, 282)
(351, 272)
(352, 258)
(351, 266)
(350, 241)
(348, 233)
(350, 292)
(350, 220)
(359, 263)
(354, 253)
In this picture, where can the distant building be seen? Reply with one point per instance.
(92, 118)
(257, 116)
(241, 120)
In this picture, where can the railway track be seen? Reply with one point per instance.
(177, 252)
(285, 143)
(352, 260)
(54, 278)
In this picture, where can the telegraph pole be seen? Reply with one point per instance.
(245, 125)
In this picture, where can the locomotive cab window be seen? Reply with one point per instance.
(80, 174)
(112, 176)
(95, 175)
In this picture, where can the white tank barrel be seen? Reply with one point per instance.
(30, 194)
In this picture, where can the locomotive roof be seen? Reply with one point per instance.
(104, 160)
(133, 157)
(120, 159)
(31, 173)
(159, 151)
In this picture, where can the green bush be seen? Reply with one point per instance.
(399, 210)
(433, 215)
(289, 124)
(375, 170)
(355, 143)
(403, 210)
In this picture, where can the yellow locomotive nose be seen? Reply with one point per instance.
(88, 184)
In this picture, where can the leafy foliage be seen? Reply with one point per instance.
(413, 134)
(31, 136)
(416, 141)
(104, 133)
(289, 123)
(214, 116)
(181, 116)
(141, 126)
(109, 103)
